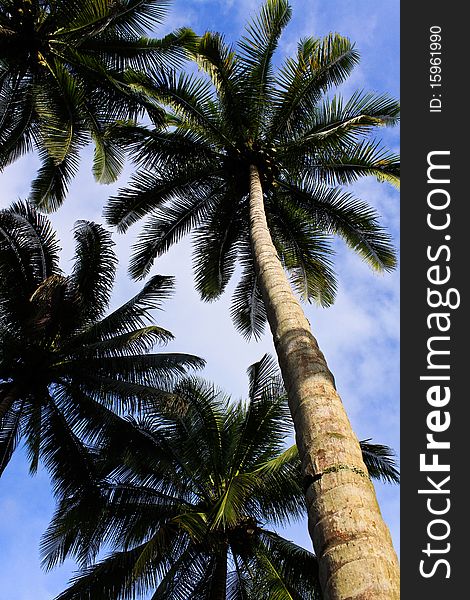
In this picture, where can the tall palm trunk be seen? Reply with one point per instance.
(354, 547)
(219, 588)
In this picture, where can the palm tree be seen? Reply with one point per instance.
(67, 371)
(186, 509)
(68, 71)
(253, 165)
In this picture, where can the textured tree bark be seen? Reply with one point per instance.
(354, 547)
(219, 589)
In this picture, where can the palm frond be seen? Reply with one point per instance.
(10, 433)
(319, 65)
(138, 341)
(348, 164)
(220, 63)
(380, 462)
(49, 188)
(24, 231)
(203, 420)
(108, 160)
(336, 123)
(114, 577)
(138, 53)
(150, 370)
(75, 530)
(65, 456)
(16, 110)
(148, 192)
(290, 572)
(32, 417)
(134, 314)
(353, 219)
(168, 224)
(261, 376)
(58, 111)
(185, 94)
(94, 269)
(304, 251)
(180, 579)
(257, 48)
(247, 310)
(216, 248)
(28, 253)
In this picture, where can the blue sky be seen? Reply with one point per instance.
(359, 334)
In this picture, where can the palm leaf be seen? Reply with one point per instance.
(170, 223)
(64, 454)
(112, 578)
(379, 461)
(10, 433)
(220, 63)
(319, 65)
(261, 376)
(256, 52)
(134, 314)
(148, 193)
(335, 119)
(94, 269)
(247, 310)
(26, 232)
(58, 110)
(291, 571)
(16, 110)
(192, 99)
(108, 160)
(352, 162)
(50, 187)
(351, 218)
(304, 251)
(216, 248)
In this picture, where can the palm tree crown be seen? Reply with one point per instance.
(254, 165)
(186, 508)
(66, 369)
(303, 143)
(68, 70)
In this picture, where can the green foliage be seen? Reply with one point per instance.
(68, 71)
(185, 507)
(380, 462)
(306, 144)
(68, 370)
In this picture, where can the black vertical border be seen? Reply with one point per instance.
(422, 132)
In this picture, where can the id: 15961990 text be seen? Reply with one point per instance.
(435, 68)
